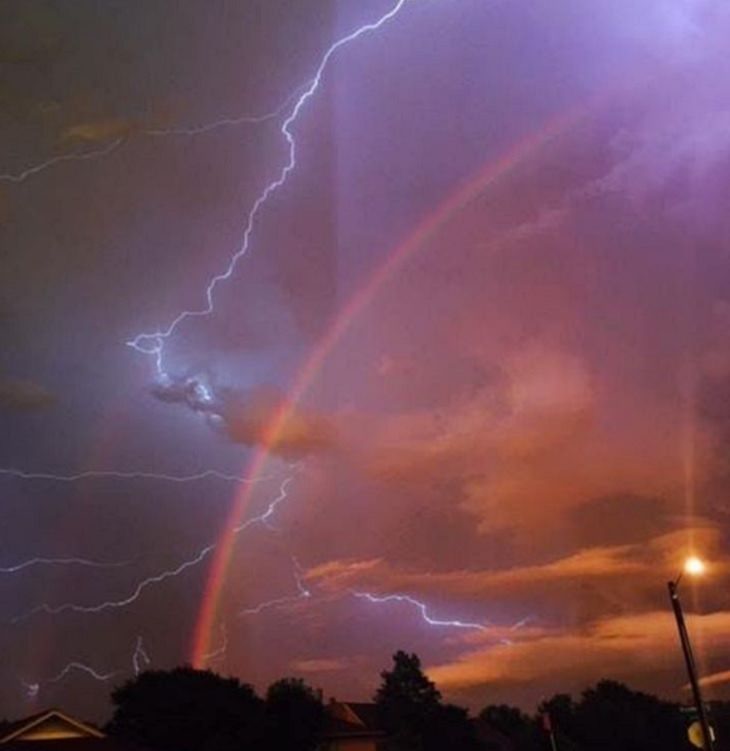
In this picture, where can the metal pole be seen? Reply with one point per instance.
(690, 662)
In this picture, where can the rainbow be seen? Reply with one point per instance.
(485, 176)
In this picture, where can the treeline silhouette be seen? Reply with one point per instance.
(197, 710)
(192, 710)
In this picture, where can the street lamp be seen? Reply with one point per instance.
(694, 567)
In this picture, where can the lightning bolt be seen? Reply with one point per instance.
(117, 475)
(422, 609)
(72, 157)
(193, 130)
(31, 562)
(33, 689)
(140, 657)
(141, 586)
(302, 593)
(152, 344)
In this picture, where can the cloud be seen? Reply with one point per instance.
(24, 396)
(248, 417)
(575, 589)
(714, 679)
(531, 445)
(633, 648)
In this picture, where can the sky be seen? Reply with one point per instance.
(463, 392)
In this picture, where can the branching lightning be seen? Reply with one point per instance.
(32, 689)
(422, 609)
(123, 602)
(140, 660)
(153, 343)
(141, 586)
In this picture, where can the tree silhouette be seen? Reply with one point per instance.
(294, 716)
(521, 729)
(610, 715)
(508, 720)
(411, 713)
(188, 710)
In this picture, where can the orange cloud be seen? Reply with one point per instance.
(639, 648)
(714, 679)
(247, 418)
(659, 557)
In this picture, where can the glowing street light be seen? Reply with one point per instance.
(693, 566)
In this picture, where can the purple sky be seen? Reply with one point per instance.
(525, 428)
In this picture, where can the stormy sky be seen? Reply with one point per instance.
(476, 353)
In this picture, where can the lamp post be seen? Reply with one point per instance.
(693, 566)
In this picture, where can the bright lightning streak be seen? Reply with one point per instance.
(102, 474)
(422, 608)
(302, 593)
(140, 658)
(116, 604)
(60, 562)
(199, 557)
(153, 343)
(19, 177)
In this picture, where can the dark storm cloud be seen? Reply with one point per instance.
(24, 396)
(194, 392)
(247, 416)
